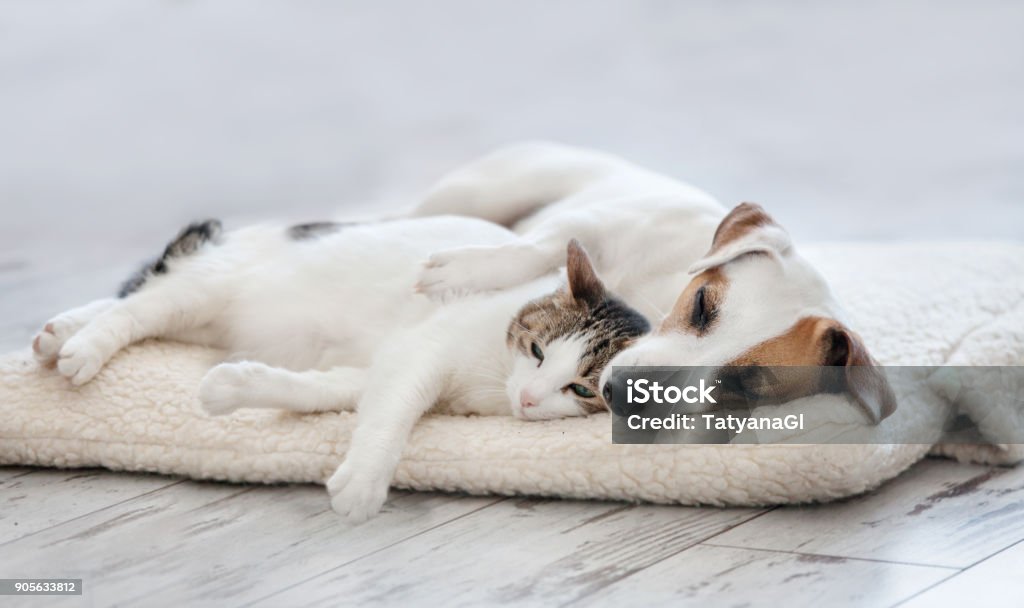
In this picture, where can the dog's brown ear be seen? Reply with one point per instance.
(584, 284)
(864, 379)
(746, 229)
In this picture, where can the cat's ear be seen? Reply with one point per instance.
(584, 284)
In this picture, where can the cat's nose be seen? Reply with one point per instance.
(526, 399)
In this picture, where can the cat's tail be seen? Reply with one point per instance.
(514, 182)
(188, 241)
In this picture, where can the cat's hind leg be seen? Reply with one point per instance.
(51, 338)
(173, 306)
(180, 291)
(250, 384)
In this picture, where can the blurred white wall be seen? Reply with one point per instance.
(119, 120)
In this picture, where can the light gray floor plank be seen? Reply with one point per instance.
(9, 472)
(81, 546)
(219, 544)
(523, 550)
(725, 576)
(44, 498)
(940, 513)
(995, 582)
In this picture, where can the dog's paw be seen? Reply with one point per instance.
(230, 386)
(468, 270)
(79, 360)
(453, 271)
(47, 343)
(357, 494)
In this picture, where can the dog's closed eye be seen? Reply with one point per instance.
(703, 312)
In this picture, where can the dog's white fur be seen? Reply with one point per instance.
(649, 237)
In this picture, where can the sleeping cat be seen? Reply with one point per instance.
(570, 333)
(326, 317)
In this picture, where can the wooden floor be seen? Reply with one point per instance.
(942, 534)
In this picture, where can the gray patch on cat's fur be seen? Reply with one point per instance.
(188, 241)
(312, 230)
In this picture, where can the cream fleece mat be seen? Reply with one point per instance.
(961, 304)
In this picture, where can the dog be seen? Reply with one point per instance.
(725, 288)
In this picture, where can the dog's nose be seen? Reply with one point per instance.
(615, 386)
(527, 399)
(606, 392)
(614, 393)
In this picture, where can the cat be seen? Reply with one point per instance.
(326, 319)
(574, 331)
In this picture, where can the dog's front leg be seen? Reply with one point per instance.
(540, 251)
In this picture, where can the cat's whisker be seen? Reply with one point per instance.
(526, 330)
(488, 391)
(487, 372)
(498, 377)
(491, 372)
(482, 394)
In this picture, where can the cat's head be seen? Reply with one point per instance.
(562, 342)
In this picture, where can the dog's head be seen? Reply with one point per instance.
(752, 301)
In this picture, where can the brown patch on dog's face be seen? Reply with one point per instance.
(800, 345)
(696, 309)
(814, 342)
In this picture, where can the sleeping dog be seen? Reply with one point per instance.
(728, 287)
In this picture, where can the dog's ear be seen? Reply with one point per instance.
(584, 284)
(747, 229)
(864, 379)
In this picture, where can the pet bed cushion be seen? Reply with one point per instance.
(914, 304)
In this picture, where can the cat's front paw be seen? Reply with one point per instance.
(357, 493)
(47, 343)
(222, 390)
(79, 360)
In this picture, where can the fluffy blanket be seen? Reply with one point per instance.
(914, 304)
